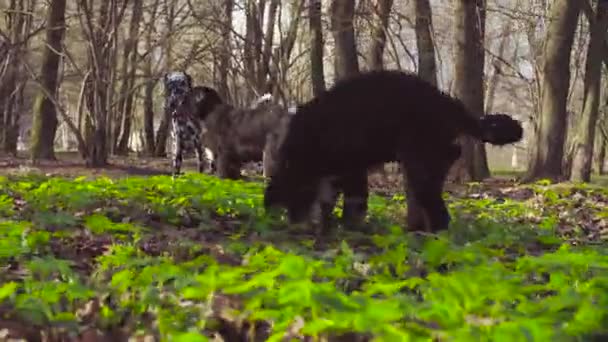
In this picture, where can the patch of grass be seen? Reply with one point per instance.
(184, 259)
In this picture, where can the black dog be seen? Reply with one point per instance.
(370, 119)
(187, 127)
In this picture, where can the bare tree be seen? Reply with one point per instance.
(162, 132)
(548, 149)
(129, 66)
(427, 67)
(317, 72)
(100, 28)
(12, 78)
(225, 49)
(585, 137)
(45, 114)
(382, 11)
(468, 80)
(342, 15)
(150, 143)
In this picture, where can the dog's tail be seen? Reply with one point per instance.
(496, 129)
(261, 101)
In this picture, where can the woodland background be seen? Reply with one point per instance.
(86, 75)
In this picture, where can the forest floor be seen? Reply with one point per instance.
(126, 252)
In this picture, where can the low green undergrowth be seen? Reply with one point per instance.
(186, 259)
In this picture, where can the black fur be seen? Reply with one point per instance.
(370, 119)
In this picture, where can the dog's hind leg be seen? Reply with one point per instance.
(178, 156)
(355, 190)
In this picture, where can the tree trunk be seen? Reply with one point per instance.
(601, 156)
(548, 149)
(382, 12)
(468, 82)
(44, 124)
(150, 143)
(427, 67)
(584, 141)
(342, 17)
(493, 81)
(317, 72)
(126, 91)
(225, 50)
(162, 132)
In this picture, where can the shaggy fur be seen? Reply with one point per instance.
(238, 135)
(370, 119)
(186, 127)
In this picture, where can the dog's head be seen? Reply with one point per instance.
(288, 190)
(178, 85)
(204, 100)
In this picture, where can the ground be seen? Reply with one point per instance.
(110, 257)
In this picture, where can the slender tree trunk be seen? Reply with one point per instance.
(342, 17)
(382, 12)
(494, 79)
(129, 68)
(317, 72)
(601, 156)
(44, 125)
(264, 68)
(585, 139)
(468, 81)
(427, 67)
(225, 50)
(150, 143)
(162, 132)
(548, 149)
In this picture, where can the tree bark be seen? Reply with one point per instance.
(150, 143)
(468, 82)
(45, 121)
(225, 50)
(382, 12)
(585, 139)
(548, 149)
(601, 156)
(162, 132)
(126, 93)
(317, 71)
(427, 67)
(342, 17)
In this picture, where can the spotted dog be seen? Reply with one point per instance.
(186, 126)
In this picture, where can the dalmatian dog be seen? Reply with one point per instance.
(187, 128)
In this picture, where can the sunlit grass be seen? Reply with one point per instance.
(157, 256)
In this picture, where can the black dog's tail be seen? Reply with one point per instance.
(496, 129)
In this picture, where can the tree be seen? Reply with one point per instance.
(382, 11)
(126, 93)
(427, 67)
(317, 72)
(149, 142)
(45, 114)
(342, 17)
(12, 79)
(468, 80)
(548, 147)
(162, 132)
(585, 138)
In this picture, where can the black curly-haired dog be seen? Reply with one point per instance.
(369, 119)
